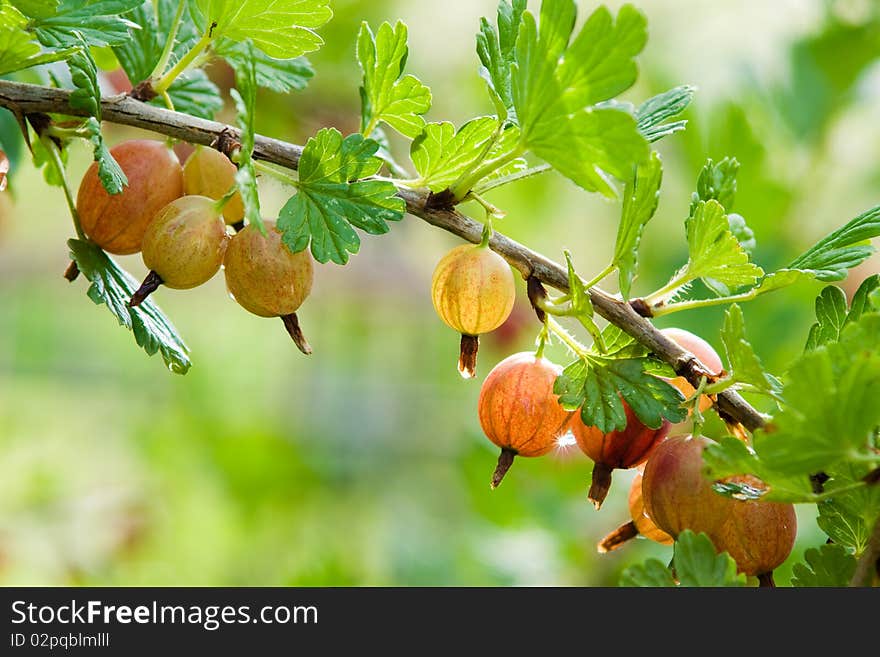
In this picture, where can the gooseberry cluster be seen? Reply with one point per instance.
(187, 222)
(473, 293)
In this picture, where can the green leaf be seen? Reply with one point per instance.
(97, 22)
(109, 172)
(714, 251)
(782, 278)
(832, 314)
(332, 200)
(281, 75)
(865, 299)
(717, 182)
(599, 385)
(850, 514)
(37, 8)
(245, 98)
(113, 287)
(831, 405)
(441, 155)
(191, 93)
(283, 29)
(743, 234)
(590, 146)
(496, 48)
(387, 95)
(730, 456)
(554, 102)
(139, 54)
(17, 49)
(745, 366)
(651, 114)
(845, 248)
(600, 62)
(619, 344)
(828, 565)
(640, 202)
(650, 574)
(695, 563)
(581, 303)
(84, 75)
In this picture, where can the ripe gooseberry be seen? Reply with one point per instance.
(117, 222)
(619, 449)
(208, 172)
(518, 410)
(266, 279)
(758, 535)
(183, 246)
(640, 523)
(704, 353)
(473, 293)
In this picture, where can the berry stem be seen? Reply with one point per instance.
(543, 336)
(151, 284)
(505, 460)
(600, 485)
(223, 200)
(291, 323)
(570, 342)
(765, 580)
(618, 537)
(55, 155)
(282, 177)
(467, 358)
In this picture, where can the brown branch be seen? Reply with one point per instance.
(26, 99)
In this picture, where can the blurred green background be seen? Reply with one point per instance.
(364, 464)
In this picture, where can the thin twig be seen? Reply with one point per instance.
(24, 99)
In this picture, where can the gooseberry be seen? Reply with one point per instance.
(619, 449)
(117, 222)
(519, 411)
(473, 293)
(183, 245)
(640, 523)
(208, 172)
(758, 535)
(266, 279)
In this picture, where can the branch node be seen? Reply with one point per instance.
(227, 142)
(641, 307)
(537, 294)
(40, 122)
(444, 200)
(143, 91)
